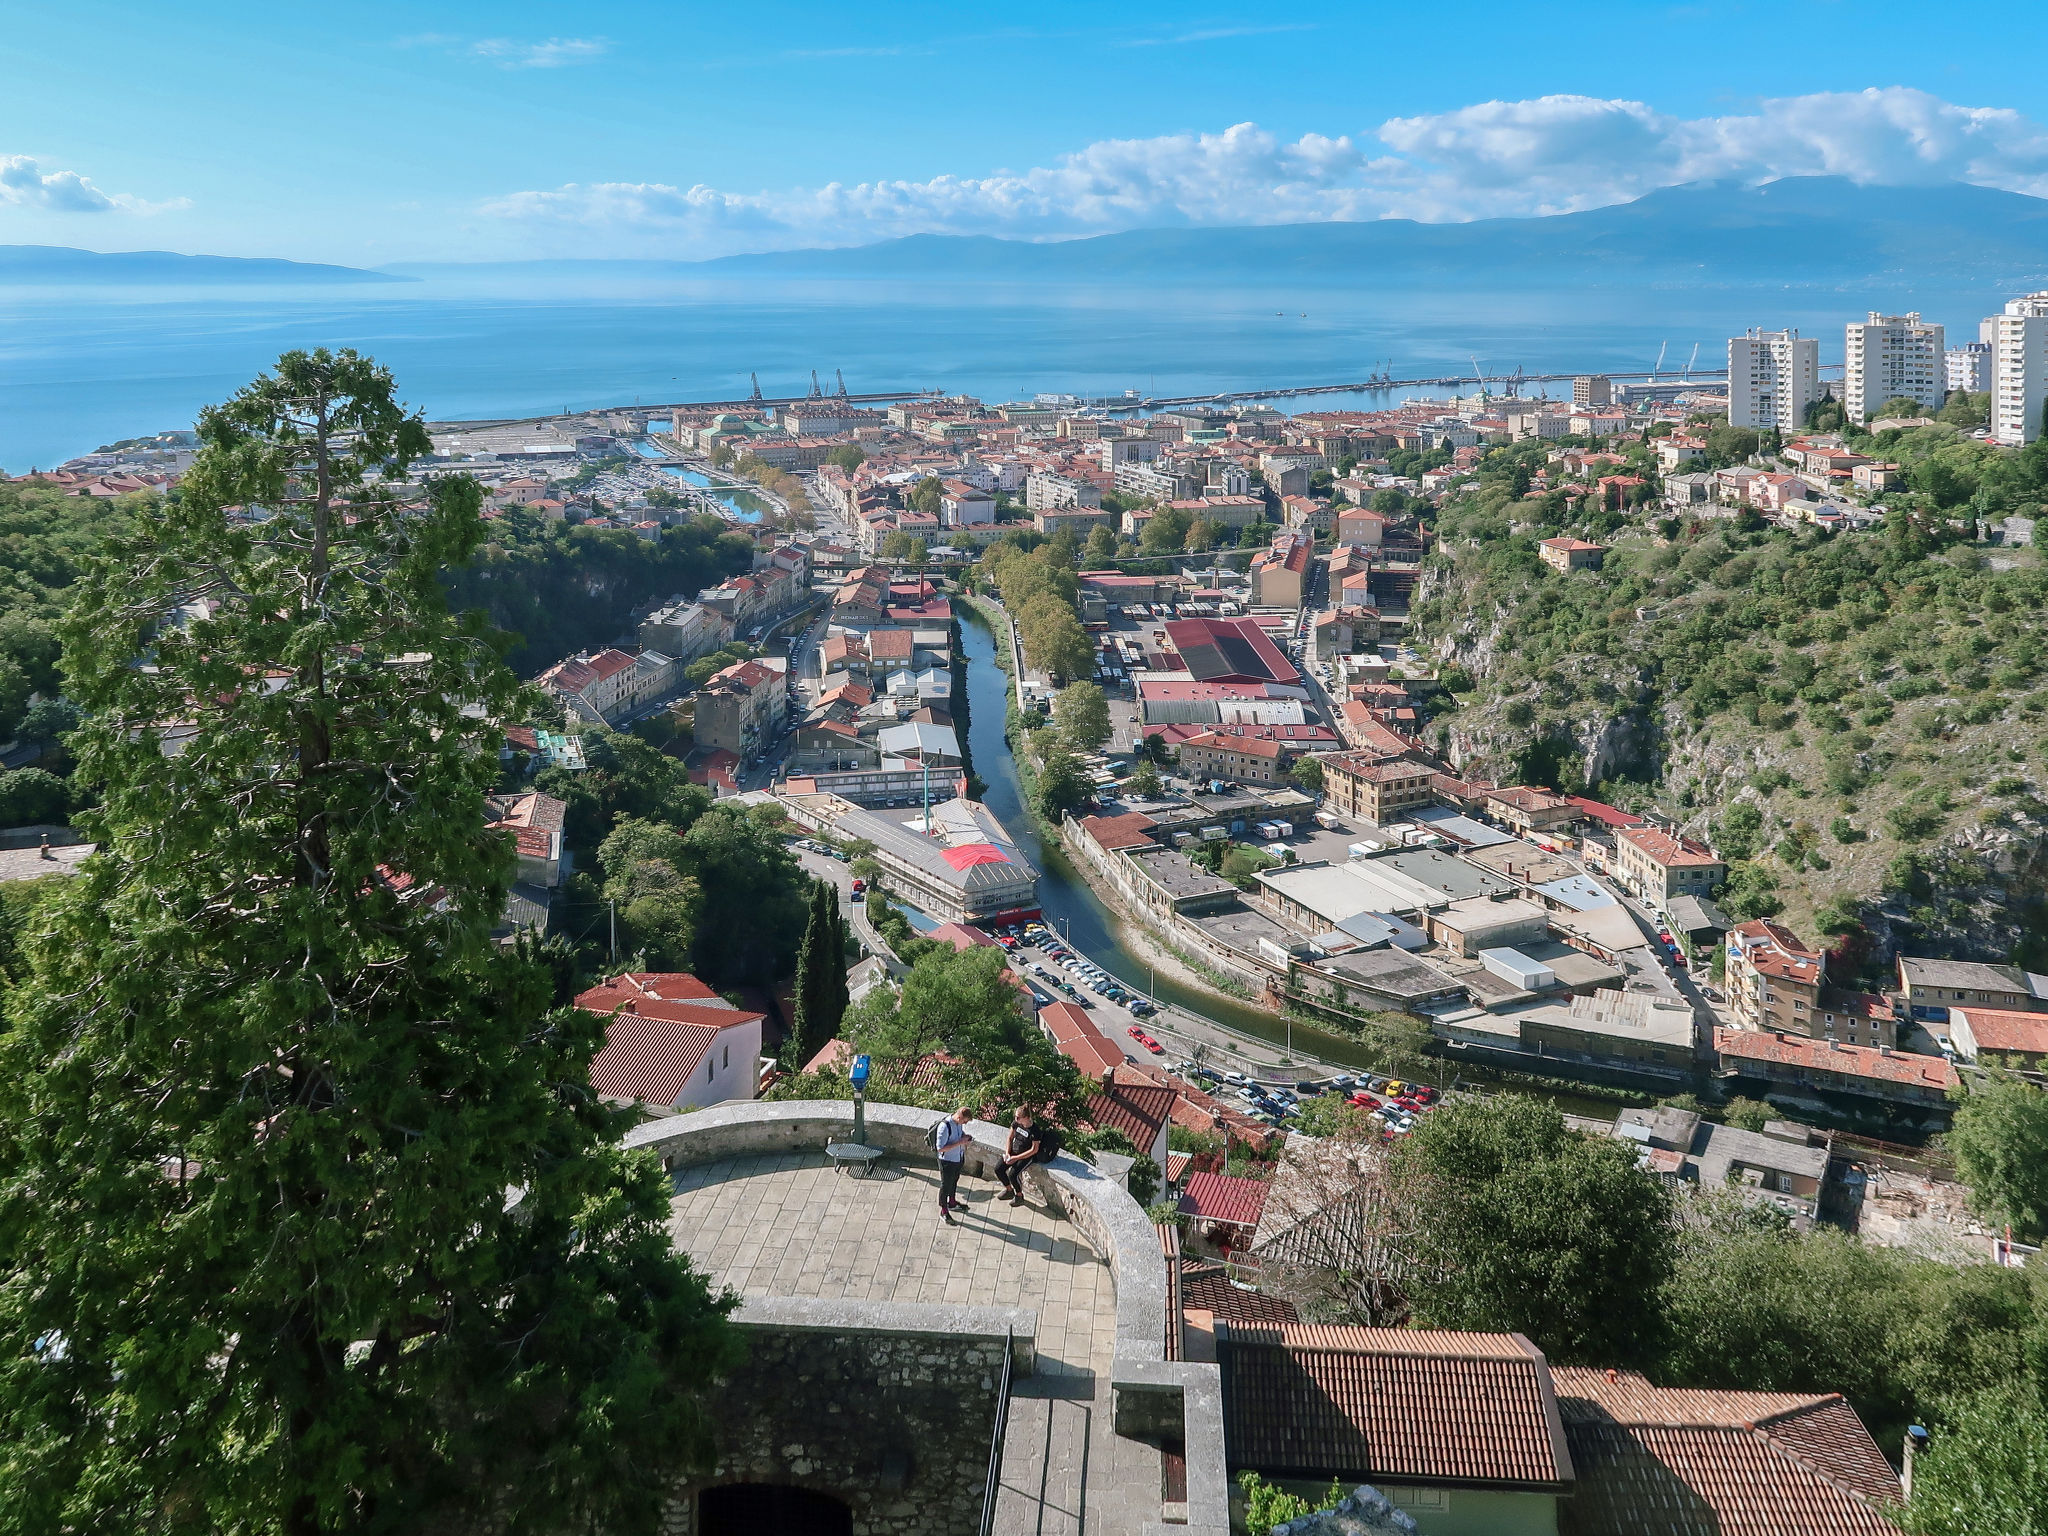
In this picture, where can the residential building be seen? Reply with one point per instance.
(1360, 527)
(1796, 1061)
(1592, 390)
(1132, 1101)
(1668, 1459)
(742, 709)
(684, 629)
(965, 506)
(1892, 356)
(1375, 788)
(671, 1043)
(1783, 1165)
(1529, 810)
(1571, 554)
(1938, 984)
(1279, 576)
(608, 687)
(1997, 1037)
(1238, 759)
(1151, 482)
(1968, 367)
(1657, 866)
(1774, 979)
(535, 822)
(2019, 369)
(1045, 491)
(1460, 1431)
(1773, 376)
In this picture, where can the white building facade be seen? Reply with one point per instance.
(1892, 357)
(1969, 366)
(2019, 369)
(1773, 376)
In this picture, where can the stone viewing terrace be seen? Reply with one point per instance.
(878, 1332)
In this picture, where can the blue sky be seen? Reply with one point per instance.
(380, 132)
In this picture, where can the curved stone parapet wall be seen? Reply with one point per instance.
(1155, 1397)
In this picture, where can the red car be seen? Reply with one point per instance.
(860, 887)
(1364, 1101)
(1426, 1094)
(1146, 1041)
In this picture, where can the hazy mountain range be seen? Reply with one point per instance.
(1808, 230)
(49, 265)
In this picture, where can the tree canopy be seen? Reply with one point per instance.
(267, 1081)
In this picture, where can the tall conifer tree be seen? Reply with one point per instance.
(309, 1217)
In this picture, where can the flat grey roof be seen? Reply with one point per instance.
(1177, 874)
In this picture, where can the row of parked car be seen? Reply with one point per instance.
(1090, 975)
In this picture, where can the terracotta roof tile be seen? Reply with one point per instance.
(1374, 1403)
(1693, 1462)
(1224, 1197)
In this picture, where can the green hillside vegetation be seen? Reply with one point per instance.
(1855, 719)
(560, 589)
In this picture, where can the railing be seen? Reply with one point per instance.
(995, 1441)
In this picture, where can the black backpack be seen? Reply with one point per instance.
(1049, 1144)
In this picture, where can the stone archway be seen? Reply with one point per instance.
(770, 1509)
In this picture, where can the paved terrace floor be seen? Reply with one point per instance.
(786, 1224)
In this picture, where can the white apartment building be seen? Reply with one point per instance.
(1969, 366)
(1888, 357)
(1773, 376)
(2019, 369)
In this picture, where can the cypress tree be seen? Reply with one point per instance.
(267, 1083)
(820, 977)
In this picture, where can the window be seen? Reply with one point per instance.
(728, 1058)
(709, 1064)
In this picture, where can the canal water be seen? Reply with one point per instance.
(744, 505)
(1071, 906)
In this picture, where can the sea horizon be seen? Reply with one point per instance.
(82, 367)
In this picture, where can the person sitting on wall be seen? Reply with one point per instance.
(1023, 1150)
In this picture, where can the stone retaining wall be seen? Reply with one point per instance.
(887, 1407)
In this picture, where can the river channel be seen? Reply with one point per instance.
(1096, 931)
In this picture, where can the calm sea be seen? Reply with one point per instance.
(80, 367)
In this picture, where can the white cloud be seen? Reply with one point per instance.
(514, 53)
(1549, 154)
(24, 183)
(552, 53)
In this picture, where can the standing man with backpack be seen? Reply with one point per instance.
(949, 1140)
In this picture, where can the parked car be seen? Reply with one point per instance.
(1375, 1083)
(1310, 1089)
(1427, 1094)
(1343, 1080)
(1237, 1079)
(1363, 1101)
(1247, 1095)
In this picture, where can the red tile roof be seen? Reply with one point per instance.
(1074, 1032)
(1663, 848)
(1130, 830)
(659, 1027)
(1131, 1103)
(1686, 1461)
(1932, 1072)
(1224, 1197)
(962, 937)
(1207, 1287)
(1391, 1403)
(2001, 1029)
(1606, 815)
